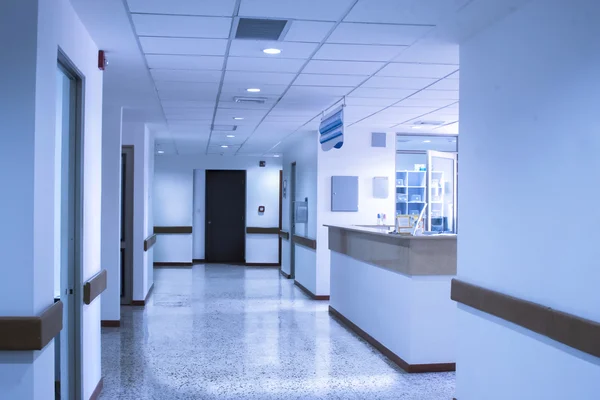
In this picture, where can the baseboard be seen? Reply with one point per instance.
(286, 276)
(262, 265)
(110, 323)
(96, 393)
(309, 293)
(142, 303)
(411, 368)
(198, 261)
(173, 264)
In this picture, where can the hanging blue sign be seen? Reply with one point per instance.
(332, 130)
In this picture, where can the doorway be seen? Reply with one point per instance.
(292, 221)
(68, 151)
(225, 226)
(126, 225)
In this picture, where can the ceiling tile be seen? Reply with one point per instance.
(308, 31)
(356, 113)
(368, 101)
(430, 52)
(446, 84)
(181, 75)
(189, 113)
(415, 102)
(329, 91)
(181, 26)
(185, 62)
(318, 10)
(342, 67)
(251, 79)
(378, 34)
(187, 104)
(188, 86)
(254, 48)
(264, 65)
(398, 83)
(355, 52)
(329, 80)
(183, 7)
(455, 75)
(413, 110)
(428, 12)
(397, 94)
(179, 95)
(417, 70)
(436, 95)
(184, 46)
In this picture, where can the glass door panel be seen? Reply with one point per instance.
(441, 191)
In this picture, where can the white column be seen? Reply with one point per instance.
(528, 195)
(111, 211)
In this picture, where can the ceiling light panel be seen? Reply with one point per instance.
(217, 8)
(330, 10)
(329, 80)
(258, 78)
(417, 70)
(184, 46)
(356, 52)
(185, 62)
(254, 48)
(428, 12)
(397, 94)
(378, 34)
(181, 26)
(342, 67)
(308, 31)
(242, 90)
(264, 64)
(170, 75)
(398, 83)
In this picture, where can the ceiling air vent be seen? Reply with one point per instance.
(224, 128)
(428, 123)
(255, 100)
(260, 29)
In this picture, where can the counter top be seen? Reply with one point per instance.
(409, 255)
(383, 231)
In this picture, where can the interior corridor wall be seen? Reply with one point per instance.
(180, 197)
(28, 73)
(302, 151)
(136, 134)
(355, 158)
(530, 141)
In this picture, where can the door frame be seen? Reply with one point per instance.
(208, 222)
(74, 329)
(292, 220)
(127, 230)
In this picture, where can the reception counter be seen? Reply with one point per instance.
(394, 291)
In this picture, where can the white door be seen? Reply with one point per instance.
(441, 191)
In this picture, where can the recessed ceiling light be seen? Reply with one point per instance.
(161, 152)
(276, 156)
(426, 141)
(230, 136)
(238, 118)
(253, 90)
(271, 51)
(224, 146)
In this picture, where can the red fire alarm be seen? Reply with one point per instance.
(102, 60)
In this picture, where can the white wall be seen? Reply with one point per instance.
(529, 95)
(180, 196)
(302, 151)
(111, 210)
(355, 158)
(136, 134)
(28, 72)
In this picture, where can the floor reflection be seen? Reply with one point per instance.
(232, 333)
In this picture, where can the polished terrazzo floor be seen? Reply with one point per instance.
(231, 332)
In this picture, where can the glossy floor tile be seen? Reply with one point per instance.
(233, 333)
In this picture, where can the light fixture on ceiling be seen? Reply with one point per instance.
(224, 146)
(238, 118)
(276, 156)
(426, 141)
(230, 136)
(253, 90)
(272, 51)
(161, 152)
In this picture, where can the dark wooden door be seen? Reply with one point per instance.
(225, 216)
